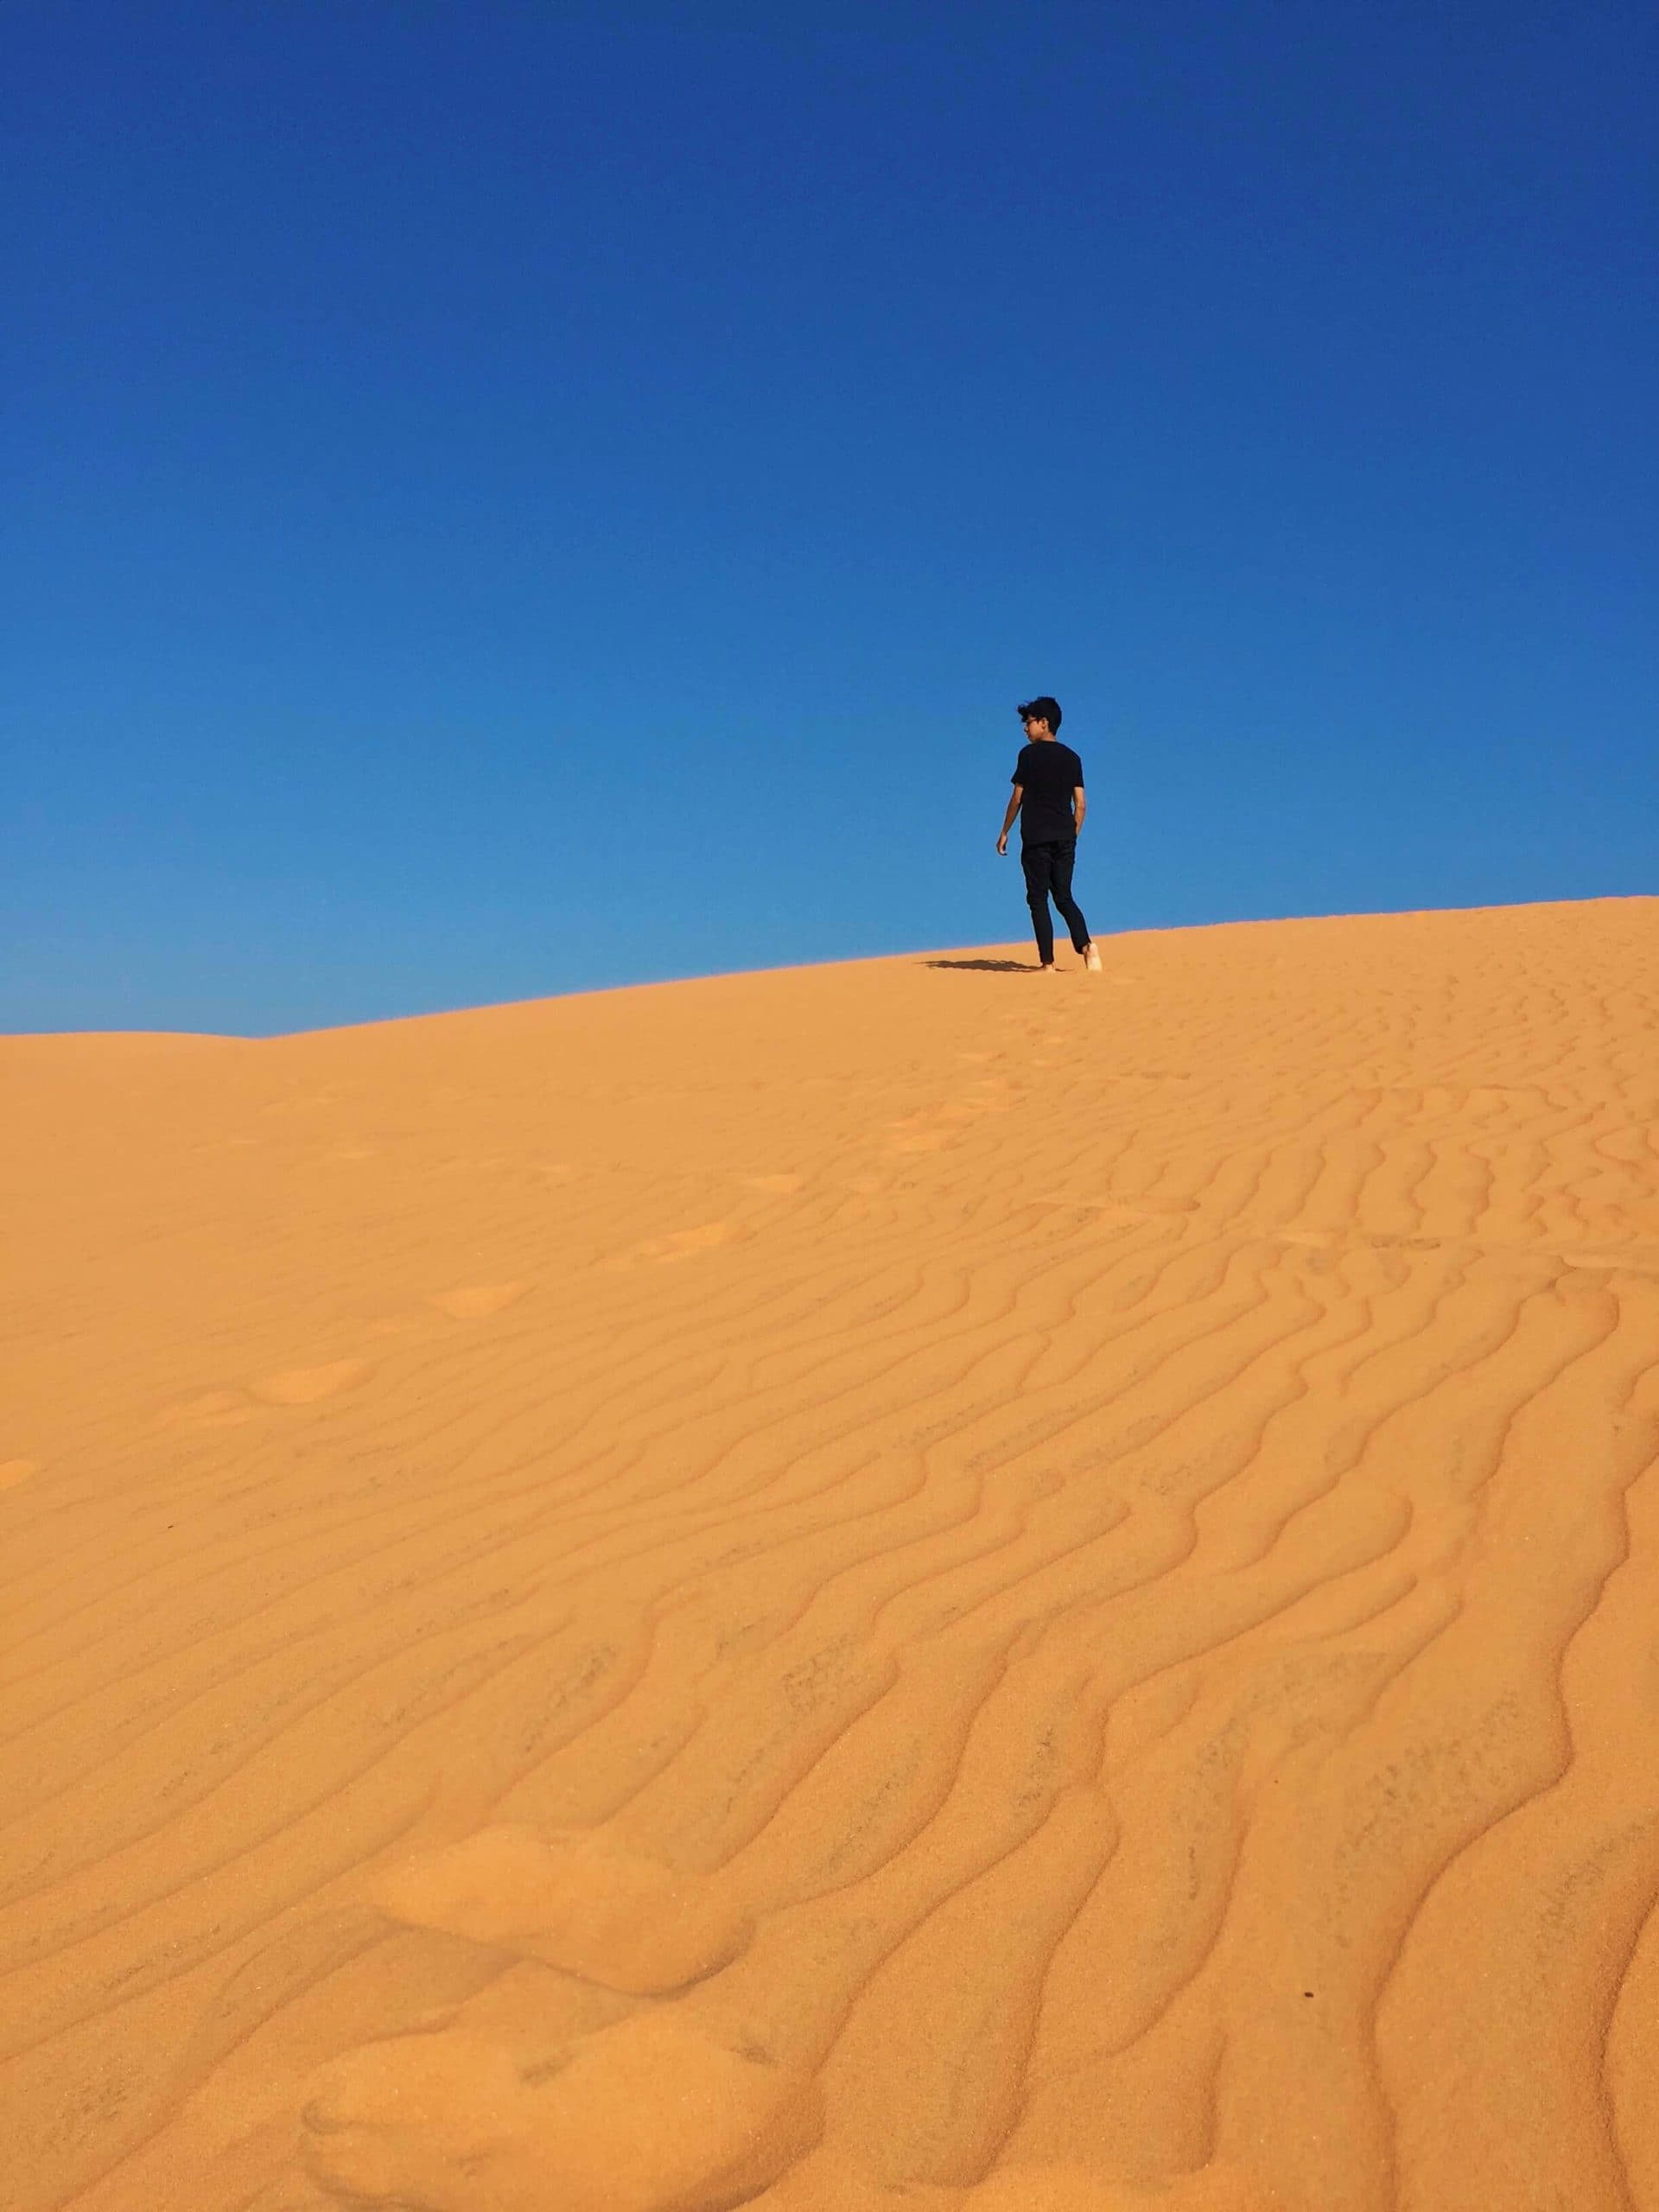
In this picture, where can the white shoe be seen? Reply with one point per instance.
(1091, 957)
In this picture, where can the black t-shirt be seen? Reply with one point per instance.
(1048, 774)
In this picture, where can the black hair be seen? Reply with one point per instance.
(1042, 710)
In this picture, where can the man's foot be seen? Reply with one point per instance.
(1046, 968)
(1091, 957)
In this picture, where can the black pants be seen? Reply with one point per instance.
(1048, 874)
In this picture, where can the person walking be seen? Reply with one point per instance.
(1048, 798)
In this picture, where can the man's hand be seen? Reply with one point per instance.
(1002, 842)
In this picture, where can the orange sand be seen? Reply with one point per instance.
(903, 1586)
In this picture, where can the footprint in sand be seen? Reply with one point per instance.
(644, 2116)
(574, 1899)
(213, 1409)
(303, 1386)
(931, 1131)
(681, 1244)
(13, 1472)
(1119, 1212)
(920, 1141)
(477, 1300)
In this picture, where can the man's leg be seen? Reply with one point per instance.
(1060, 880)
(1035, 859)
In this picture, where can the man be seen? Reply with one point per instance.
(1048, 797)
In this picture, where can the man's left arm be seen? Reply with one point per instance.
(1080, 805)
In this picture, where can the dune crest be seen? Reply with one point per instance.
(891, 1588)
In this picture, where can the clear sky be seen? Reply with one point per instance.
(507, 497)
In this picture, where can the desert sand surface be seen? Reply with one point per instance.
(896, 1585)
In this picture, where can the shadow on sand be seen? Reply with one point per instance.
(988, 967)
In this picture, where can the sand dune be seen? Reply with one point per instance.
(891, 1587)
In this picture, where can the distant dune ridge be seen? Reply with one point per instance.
(885, 1587)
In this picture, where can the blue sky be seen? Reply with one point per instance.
(503, 498)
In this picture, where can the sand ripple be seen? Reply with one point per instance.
(1021, 1597)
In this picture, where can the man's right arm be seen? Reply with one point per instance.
(1008, 819)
